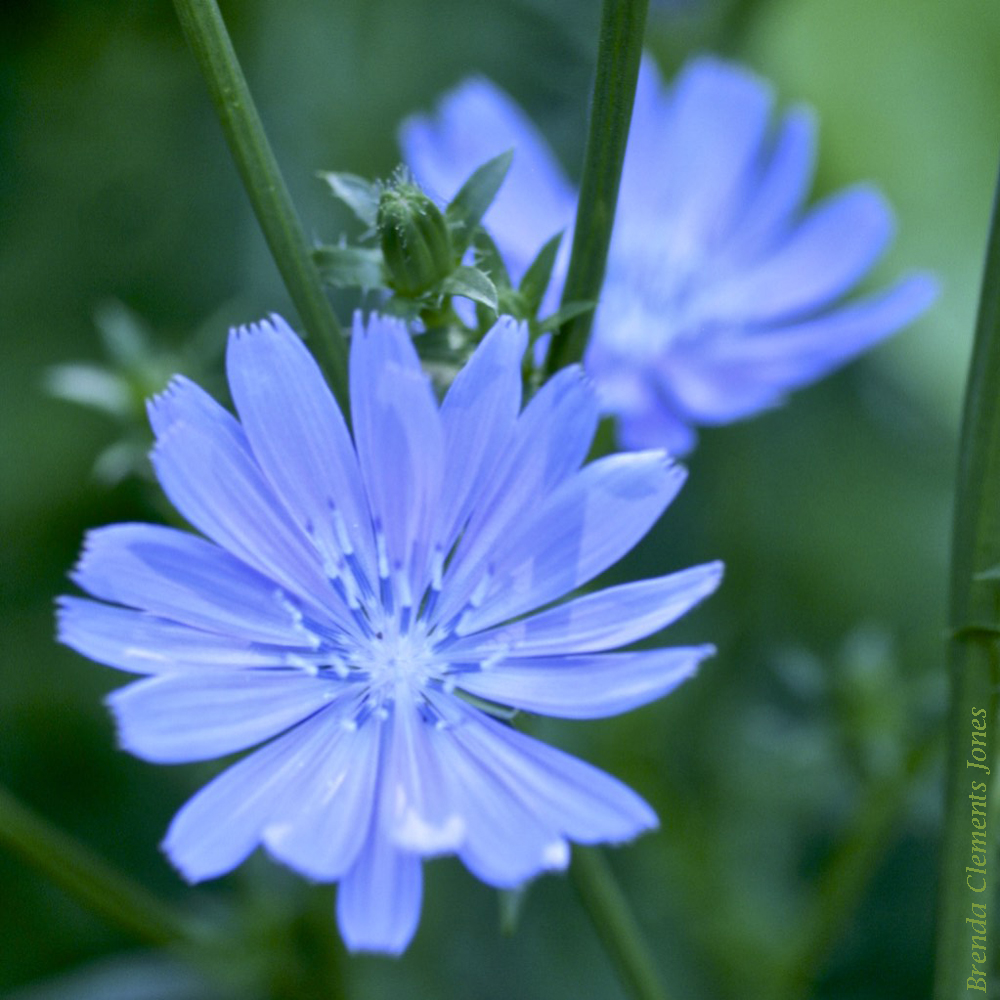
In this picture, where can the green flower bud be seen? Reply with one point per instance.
(416, 244)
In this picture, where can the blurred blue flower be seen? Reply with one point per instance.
(722, 292)
(351, 595)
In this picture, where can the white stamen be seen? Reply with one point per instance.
(383, 555)
(482, 587)
(340, 529)
(437, 568)
(403, 588)
(301, 663)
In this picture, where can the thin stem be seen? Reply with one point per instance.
(618, 56)
(612, 918)
(850, 869)
(89, 879)
(206, 33)
(973, 653)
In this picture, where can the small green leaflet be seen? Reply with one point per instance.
(471, 283)
(469, 206)
(350, 267)
(359, 195)
(536, 278)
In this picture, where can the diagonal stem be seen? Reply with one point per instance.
(615, 924)
(618, 57)
(89, 879)
(206, 33)
(850, 868)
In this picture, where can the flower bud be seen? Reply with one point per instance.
(415, 241)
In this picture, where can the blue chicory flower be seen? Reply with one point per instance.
(348, 592)
(722, 292)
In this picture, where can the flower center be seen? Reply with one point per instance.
(395, 659)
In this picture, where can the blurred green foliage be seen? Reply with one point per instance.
(832, 513)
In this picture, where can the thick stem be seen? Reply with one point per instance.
(618, 57)
(973, 661)
(206, 34)
(615, 924)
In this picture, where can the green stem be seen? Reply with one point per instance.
(850, 868)
(609, 912)
(88, 879)
(973, 648)
(618, 56)
(206, 33)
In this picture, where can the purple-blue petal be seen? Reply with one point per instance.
(174, 719)
(566, 795)
(478, 416)
(208, 471)
(709, 140)
(144, 644)
(823, 258)
(379, 899)
(175, 575)
(300, 439)
(222, 824)
(586, 687)
(735, 376)
(323, 832)
(578, 531)
(780, 191)
(550, 440)
(418, 814)
(399, 437)
(595, 622)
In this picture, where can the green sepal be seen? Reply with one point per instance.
(488, 260)
(564, 314)
(503, 712)
(441, 345)
(358, 194)
(350, 267)
(536, 279)
(511, 907)
(471, 283)
(475, 196)
(401, 308)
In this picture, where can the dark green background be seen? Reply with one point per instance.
(832, 513)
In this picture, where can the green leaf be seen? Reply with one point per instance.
(471, 283)
(350, 267)
(359, 195)
(536, 279)
(469, 206)
(564, 314)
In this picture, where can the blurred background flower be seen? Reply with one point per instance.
(832, 515)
